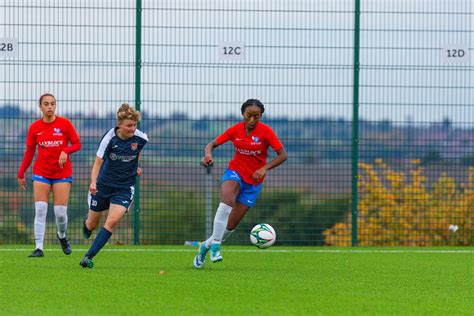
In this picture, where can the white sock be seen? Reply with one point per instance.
(208, 242)
(41, 209)
(220, 224)
(60, 211)
(226, 236)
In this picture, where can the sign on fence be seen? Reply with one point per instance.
(8, 47)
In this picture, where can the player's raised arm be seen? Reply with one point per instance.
(275, 162)
(75, 145)
(208, 160)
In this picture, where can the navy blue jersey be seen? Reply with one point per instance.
(120, 164)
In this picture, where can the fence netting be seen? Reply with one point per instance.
(200, 60)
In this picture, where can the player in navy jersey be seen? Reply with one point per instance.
(113, 176)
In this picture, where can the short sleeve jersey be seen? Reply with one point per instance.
(120, 158)
(250, 150)
(51, 138)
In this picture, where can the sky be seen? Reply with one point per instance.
(295, 56)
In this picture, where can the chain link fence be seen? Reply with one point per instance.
(372, 100)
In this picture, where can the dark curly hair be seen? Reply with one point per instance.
(251, 102)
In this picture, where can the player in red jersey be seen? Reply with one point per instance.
(56, 139)
(242, 180)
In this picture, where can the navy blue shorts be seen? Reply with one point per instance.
(248, 192)
(108, 195)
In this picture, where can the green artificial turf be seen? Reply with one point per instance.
(126, 280)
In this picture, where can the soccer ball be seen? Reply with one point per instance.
(262, 235)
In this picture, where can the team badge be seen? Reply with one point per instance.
(255, 139)
(134, 146)
(56, 130)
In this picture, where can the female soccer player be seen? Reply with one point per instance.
(242, 180)
(52, 169)
(113, 178)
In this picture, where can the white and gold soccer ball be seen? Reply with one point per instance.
(262, 235)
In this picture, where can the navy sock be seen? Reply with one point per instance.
(99, 242)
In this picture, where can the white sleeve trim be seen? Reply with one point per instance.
(105, 142)
(141, 134)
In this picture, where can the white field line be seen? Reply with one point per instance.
(262, 250)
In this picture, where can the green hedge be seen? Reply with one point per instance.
(297, 217)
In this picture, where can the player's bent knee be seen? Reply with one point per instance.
(228, 201)
(110, 225)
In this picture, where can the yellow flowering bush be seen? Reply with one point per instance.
(400, 208)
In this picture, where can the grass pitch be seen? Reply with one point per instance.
(159, 280)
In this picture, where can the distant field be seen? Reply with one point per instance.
(280, 280)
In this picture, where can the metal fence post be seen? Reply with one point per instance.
(355, 124)
(138, 65)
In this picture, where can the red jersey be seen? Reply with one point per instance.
(250, 150)
(51, 138)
